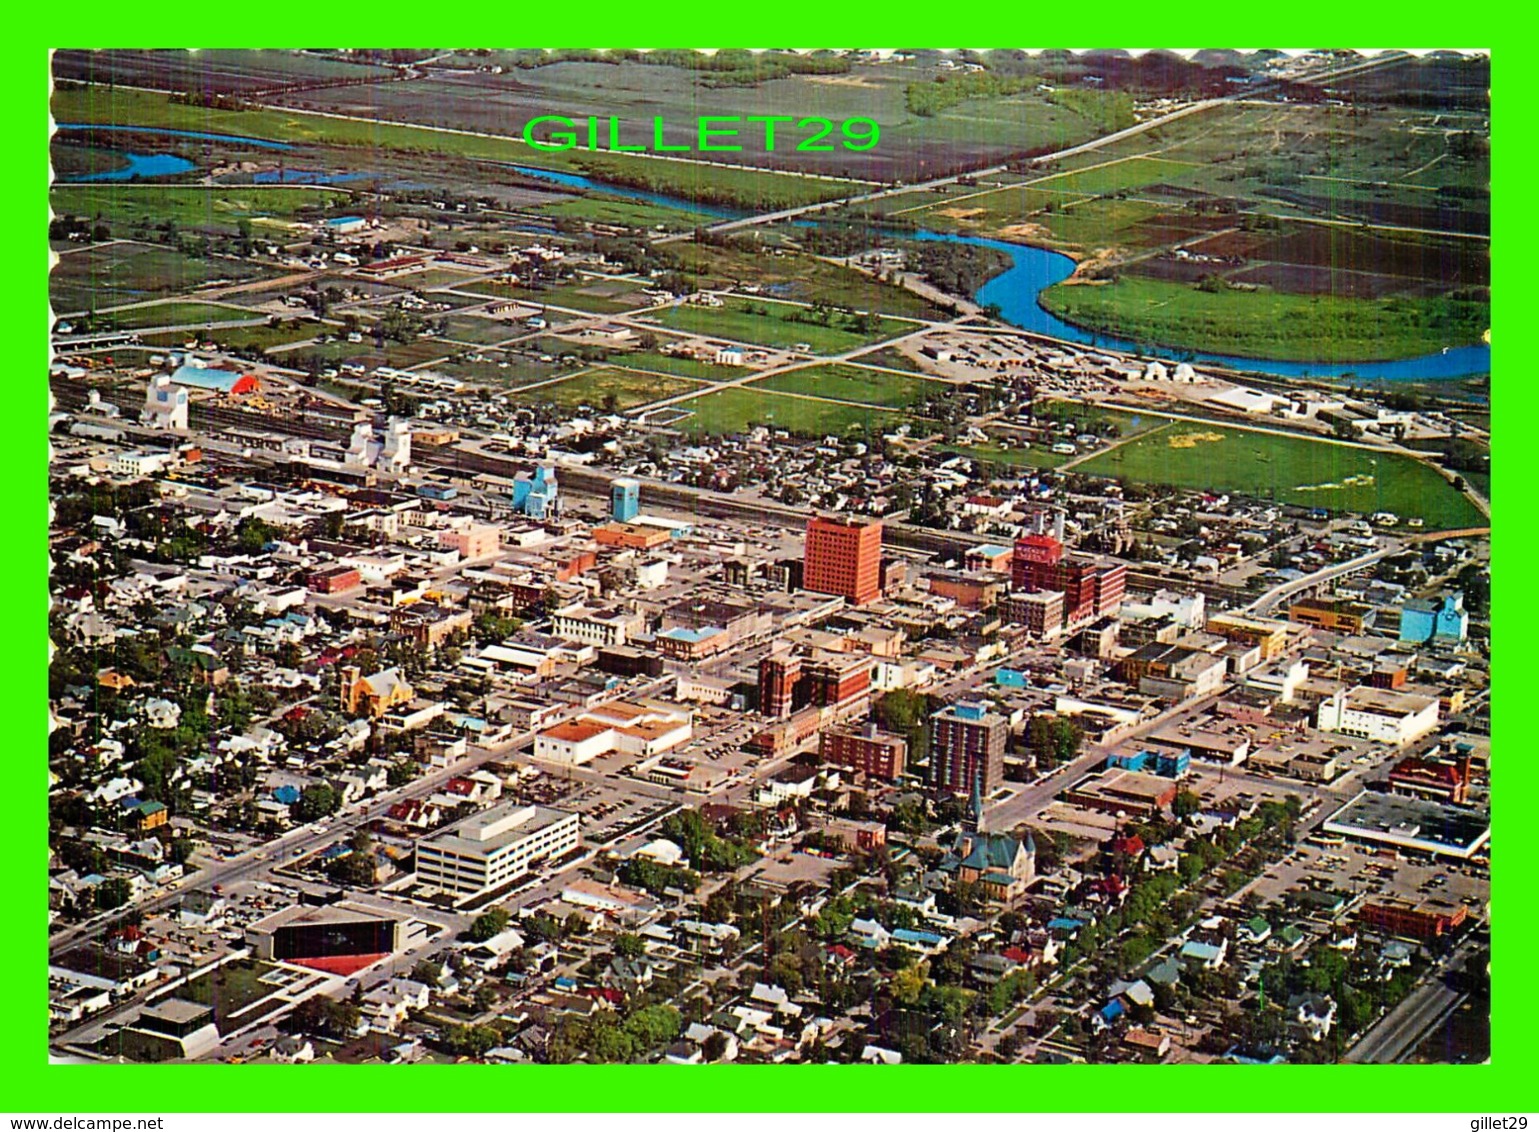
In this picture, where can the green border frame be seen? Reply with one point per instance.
(32, 1085)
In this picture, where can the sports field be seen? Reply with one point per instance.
(1288, 469)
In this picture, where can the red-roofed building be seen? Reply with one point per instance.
(1445, 781)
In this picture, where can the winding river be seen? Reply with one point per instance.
(1015, 291)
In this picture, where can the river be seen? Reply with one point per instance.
(1015, 291)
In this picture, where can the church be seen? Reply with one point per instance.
(1001, 865)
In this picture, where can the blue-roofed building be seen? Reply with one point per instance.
(286, 795)
(218, 380)
(535, 493)
(625, 500)
(344, 225)
(1169, 764)
(928, 943)
(1110, 1012)
(1010, 678)
(1425, 619)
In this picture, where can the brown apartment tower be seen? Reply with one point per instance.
(845, 558)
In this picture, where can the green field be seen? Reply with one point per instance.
(169, 314)
(599, 208)
(797, 277)
(892, 358)
(681, 367)
(775, 324)
(249, 337)
(739, 409)
(1268, 324)
(599, 296)
(1093, 418)
(121, 273)
(854, 383)
(610, 389)
(198, 207)
(1288, 469)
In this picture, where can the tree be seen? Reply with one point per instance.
(492, 922)
(715, 1047)
(629, 946)
(113, 893)
(317, 802)
(323, 1017)
(1186, 804)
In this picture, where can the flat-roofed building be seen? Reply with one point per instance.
(1123, 791)
(1415, 825)
(866, 749)
(967, 749)
(1380, 714)
(489, 849)
(1271, 637)
(1420, 921)
(1335, 616)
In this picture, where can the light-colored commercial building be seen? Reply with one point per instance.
(488, 849)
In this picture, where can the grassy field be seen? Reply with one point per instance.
(192, 207)
(774, 324)
(481, 331)
(248, 337)
(1288, 469)
(739, 409)
(800, 278)
(1114, 177)
(622, 212)
(121, 273)
(1091, 418)
(854, 383)
(169, 314)
(610, 389)
(1269, 324)
(600, 296)
(680, 367)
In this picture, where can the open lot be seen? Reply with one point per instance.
(1286, 469)
(610, 389)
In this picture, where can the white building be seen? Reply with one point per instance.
(643, 728)
(605, 627)
(491, 848)
(393, 451)
(165, 404)
(138, 463)
(1379, 714)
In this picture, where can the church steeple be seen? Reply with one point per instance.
(975, 820)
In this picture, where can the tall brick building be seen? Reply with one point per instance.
(844, 558)
(865, 749)
(1090, 589)
(967, 749)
